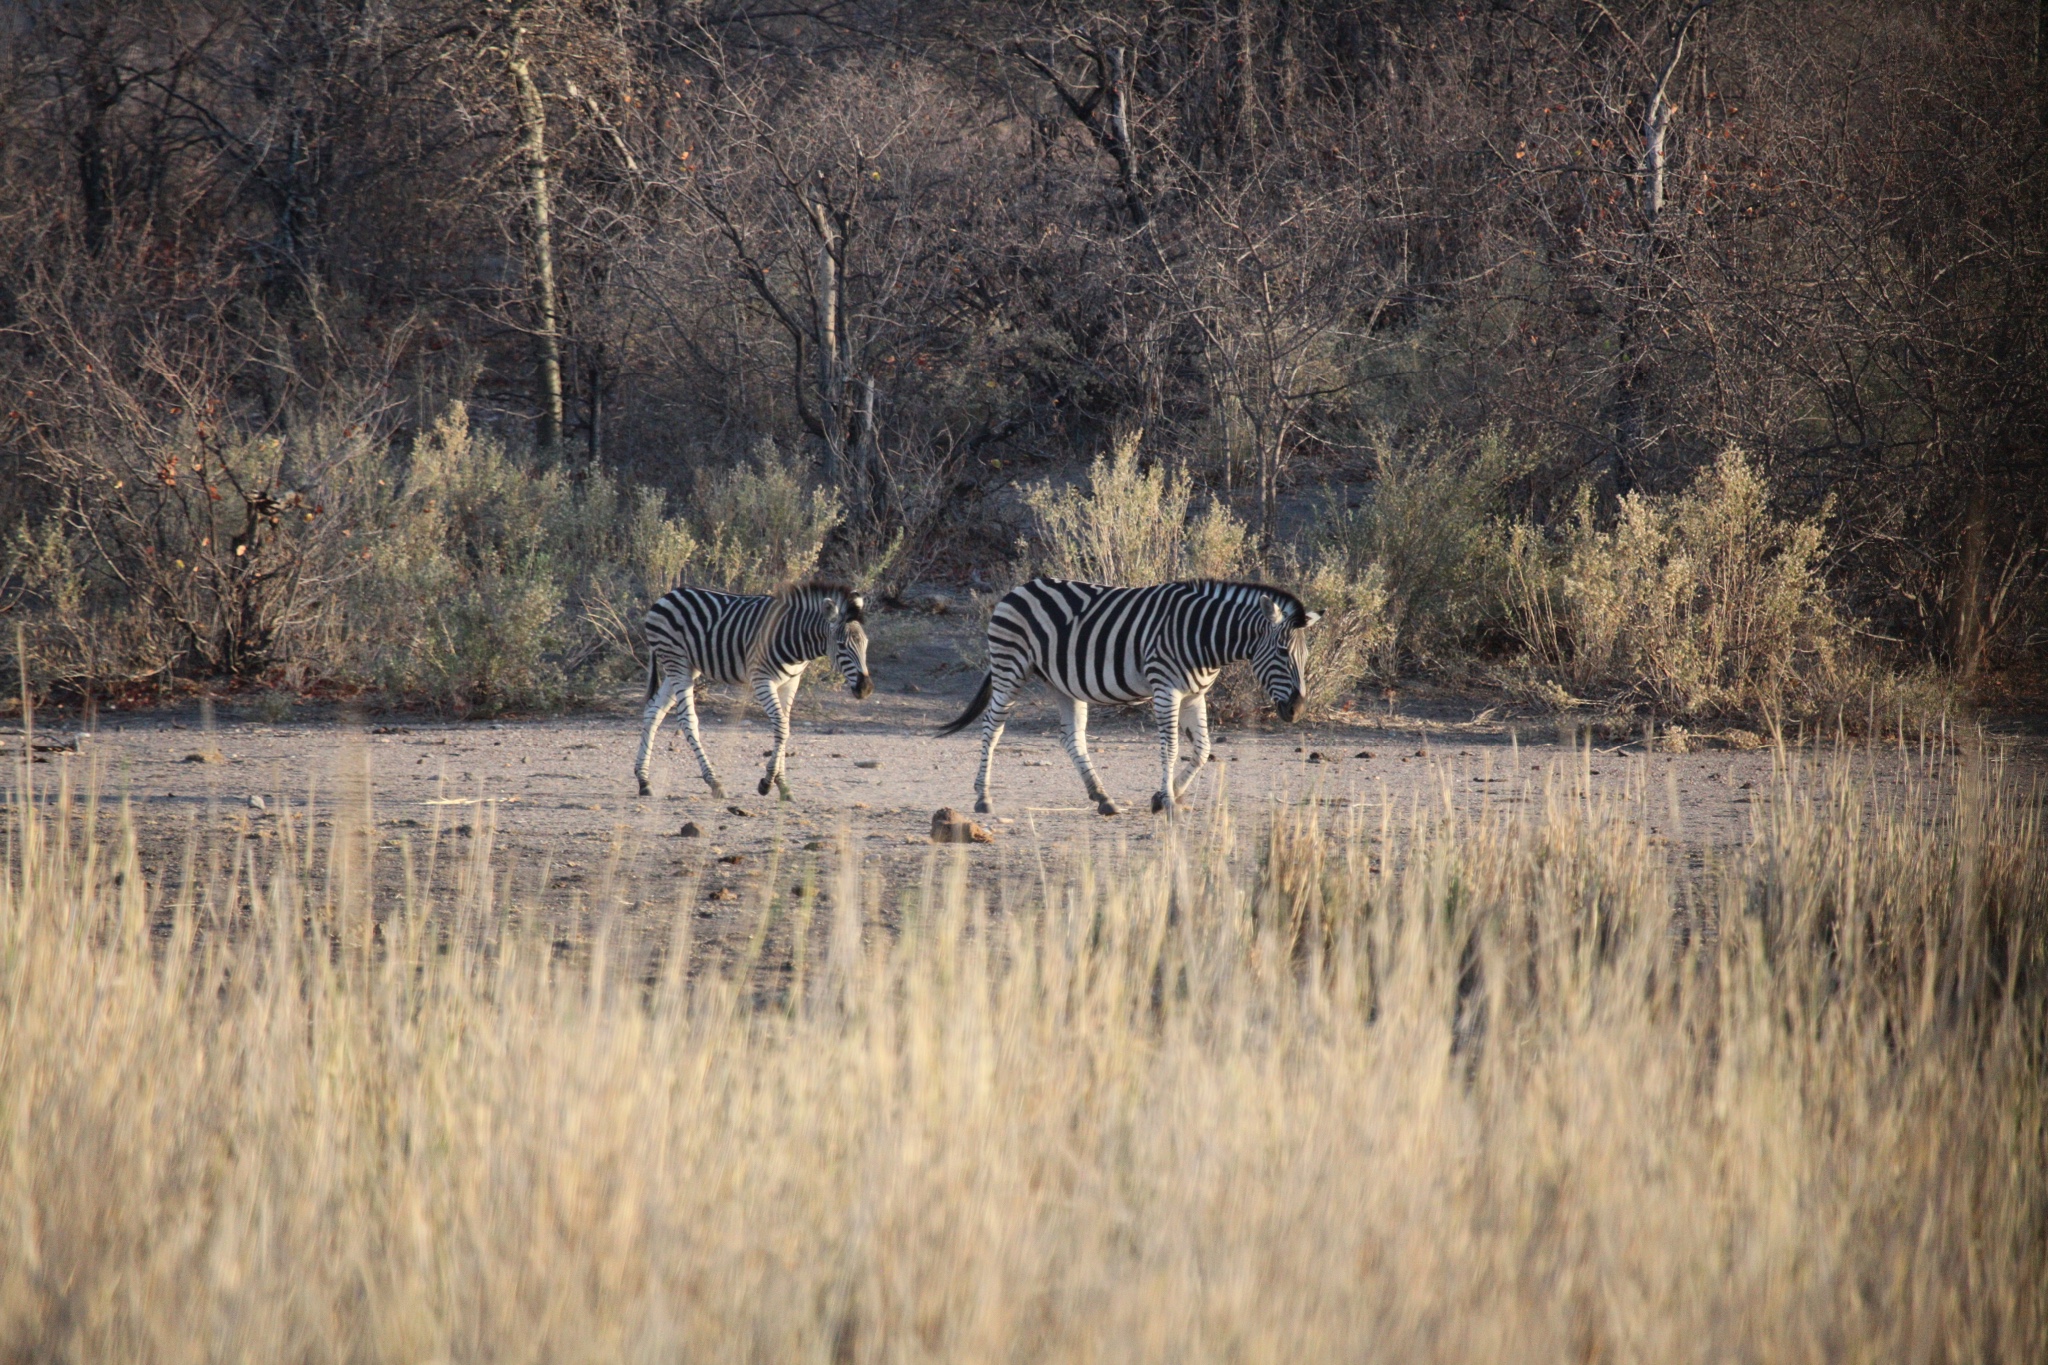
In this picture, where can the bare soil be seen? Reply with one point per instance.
(556, 796)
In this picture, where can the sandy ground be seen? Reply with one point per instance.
(557, 795)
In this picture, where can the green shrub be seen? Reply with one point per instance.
(1431, 532)
(759, 525)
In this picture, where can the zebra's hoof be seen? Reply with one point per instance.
(763, 787)
(645, 790)
(983, 808)
(1105, 806)
(1159, 803)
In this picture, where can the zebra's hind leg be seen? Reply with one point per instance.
(658, 706)
(1166, 710)
(689, 702)
(1074, 733)
(1000, 701)
(778, 699)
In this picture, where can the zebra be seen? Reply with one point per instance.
(767, 641)
(1103, 644)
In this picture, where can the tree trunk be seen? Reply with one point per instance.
(1967, 629)
(547, 340)
(831, 364)
(1120, 129)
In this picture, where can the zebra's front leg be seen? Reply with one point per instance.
(778, 699)
(1074, 733)
(689, 702)
(1166, 711)
(658, 706)
(992, 722)
(1197, 714)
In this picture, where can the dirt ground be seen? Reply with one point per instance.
(557, 795)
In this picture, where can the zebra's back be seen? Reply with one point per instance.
(708, 631)
(1088, 640)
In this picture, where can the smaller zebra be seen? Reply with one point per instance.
(1095, 643)
(765, 641)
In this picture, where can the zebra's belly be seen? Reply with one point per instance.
(675, 662)
(1096, 691)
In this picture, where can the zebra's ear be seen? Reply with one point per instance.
(856, 608)
(1308, 618)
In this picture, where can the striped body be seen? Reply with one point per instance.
(766, 642)
(1105, 644)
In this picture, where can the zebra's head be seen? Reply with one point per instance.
(850, 646)
(1277, 652)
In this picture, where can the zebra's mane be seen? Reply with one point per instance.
(1294, 607)
(850, 604)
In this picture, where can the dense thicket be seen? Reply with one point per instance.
(249, 248)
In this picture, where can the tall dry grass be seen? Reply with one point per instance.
(1378, 1084)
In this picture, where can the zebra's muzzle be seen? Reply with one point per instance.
(1288, 708)
(862, 687)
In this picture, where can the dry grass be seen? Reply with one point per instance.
(1395, 1089)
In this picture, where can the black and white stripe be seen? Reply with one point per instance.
(695, 633)
(1103, 644)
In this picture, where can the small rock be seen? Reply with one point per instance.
(1363, 753)
(1316, 756)
(867, 763)
(949, 827)
(813, 845)
(740, 811)
(258, 803)
(733, 859)
(689, 831)
(204, 756)
(724, 893)
(912, 688)
(1422, 753)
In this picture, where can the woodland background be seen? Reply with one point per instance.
(311, 313)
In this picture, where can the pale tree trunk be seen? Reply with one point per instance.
(1632, 384)
(1120, 129)
(547, 340)
(831, 363)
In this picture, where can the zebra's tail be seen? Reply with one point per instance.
(974, 708)
(653, 675)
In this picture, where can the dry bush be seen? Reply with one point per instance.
(1345, 648)
(1435, 1091)
(1135, 527)
(473, 573)
(1702, 603)
(174, 548)
(1138, 527)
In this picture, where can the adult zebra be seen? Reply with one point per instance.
(767, 641)
(1102, 644)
